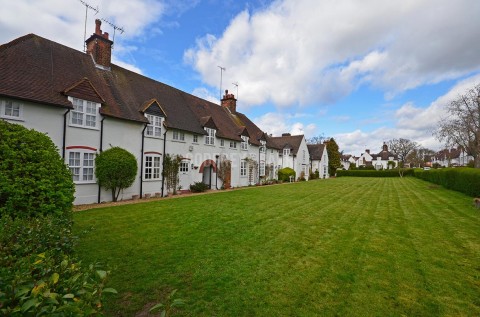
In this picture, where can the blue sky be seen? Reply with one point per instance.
(363, 72)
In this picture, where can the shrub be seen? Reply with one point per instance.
(374, 173)
(41, 285)
(116, 169)
(285, 173)
(465, 180)
(198, 187)
(33, 177)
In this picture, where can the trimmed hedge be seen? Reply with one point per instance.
(465, 180)
(374, 173)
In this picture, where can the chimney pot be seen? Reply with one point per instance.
(98, 23)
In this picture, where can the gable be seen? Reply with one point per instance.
(207, 122)
(153, 107)
(85, 90)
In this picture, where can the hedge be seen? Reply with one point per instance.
(465, 180)
(285, 173)
(374, 173)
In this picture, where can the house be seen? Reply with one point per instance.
(347, 159)
(86, 105)
(381, 160)
(452, 157)
(319, 159)
(293, 153)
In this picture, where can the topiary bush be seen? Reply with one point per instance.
(285, 173)
(34, 180)
(115, 169)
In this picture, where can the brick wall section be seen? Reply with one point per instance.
(99, 46)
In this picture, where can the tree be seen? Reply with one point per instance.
(319, 139)
(115, 169)
(402, 147)
(171, 166)
(418, 157)
(333, 156)
(34, 180)
(461, 127)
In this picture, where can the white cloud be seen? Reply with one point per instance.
(410, 122)
(297, 52)
(278, 123)
(204, 93)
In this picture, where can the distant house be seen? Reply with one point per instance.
(452, 157)
(293, 153)
(319, 159)
(348, 159)
(381, 160)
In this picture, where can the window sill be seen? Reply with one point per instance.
(152, 180)
(84, 183)
(153, 137)
(83, 127)
(12, 118)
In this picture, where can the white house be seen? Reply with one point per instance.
(293, 153)
(319, 159)
(86, 105)
(381, 160)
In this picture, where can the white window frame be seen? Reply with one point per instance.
(243, 168)
(84, 113)
(178, 135)
(286, 152)
(262, 168)
(263, 147)
(233, 145)
(195, 138)
(210, 137)
(5, 104)
(184, 166)
(244, 144)
(82, 165)
(152, 167)
(154, 127)
(222, 142)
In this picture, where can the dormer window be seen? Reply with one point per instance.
(84, 113)
(154, 127)
(210, 138)
(286, 152)
(244, 145)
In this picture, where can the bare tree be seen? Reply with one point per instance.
(462, 125)
(418, 157)
(319, 139)
(402, 147)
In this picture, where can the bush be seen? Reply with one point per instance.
(285, 173)
(33, 177)
(198, 187)
(42, 285)
(374, 173)
(465, 180)
(116, 169)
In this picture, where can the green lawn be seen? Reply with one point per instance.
(346, 247)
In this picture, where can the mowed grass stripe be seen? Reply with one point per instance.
(337, 247)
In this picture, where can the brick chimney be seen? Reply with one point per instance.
(100, 47)
(385, 147)
(368, 151)
(286, 134)
(228, 101)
